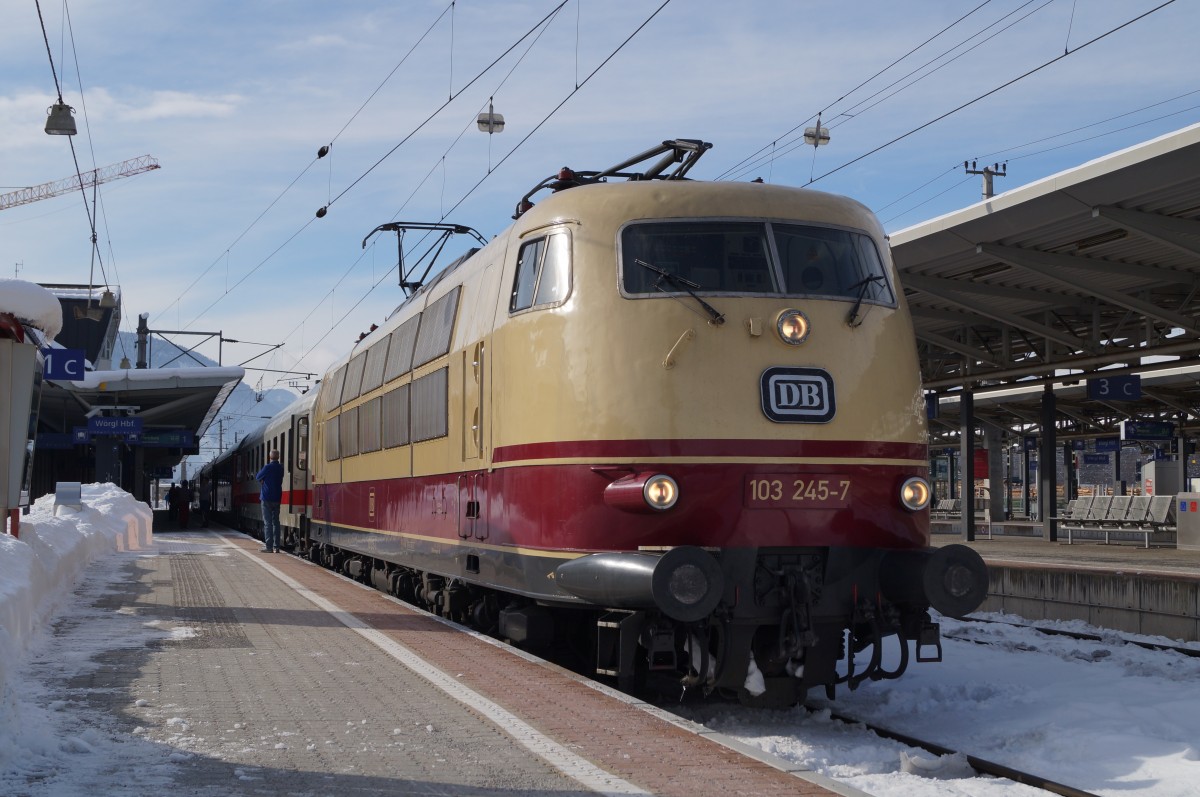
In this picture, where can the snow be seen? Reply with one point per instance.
(169, 377)
(1105, 716)
(31, 304)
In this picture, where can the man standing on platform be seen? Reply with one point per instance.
(271, 478)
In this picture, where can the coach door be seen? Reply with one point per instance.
(298, 462)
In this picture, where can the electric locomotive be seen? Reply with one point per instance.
(675, 424)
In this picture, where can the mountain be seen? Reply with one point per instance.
(244, 411)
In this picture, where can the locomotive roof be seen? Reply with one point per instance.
(616, 203)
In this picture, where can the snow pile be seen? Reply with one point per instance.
(39, 569)
(31, 304)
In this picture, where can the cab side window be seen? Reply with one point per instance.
(543, 273)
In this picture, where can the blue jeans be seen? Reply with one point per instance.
(270, 514)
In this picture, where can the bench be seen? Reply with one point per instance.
(947, 508)
(69, 494)
(1144, 515)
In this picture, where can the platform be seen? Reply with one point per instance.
(1124, 587)
(283, 678)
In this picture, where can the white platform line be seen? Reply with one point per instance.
(573, 766)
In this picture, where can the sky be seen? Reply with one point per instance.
(235, 99)
(1106, 717)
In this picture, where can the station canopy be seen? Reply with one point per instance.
(163, 412)
(1090, 273)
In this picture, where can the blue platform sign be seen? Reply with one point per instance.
(116, 427)
(1127, 387)
(931, 405)
(1095, 459)
(1147, 430)
(63, 364)
(1108, 444)
(1031, 443)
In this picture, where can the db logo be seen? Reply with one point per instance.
(797, 395)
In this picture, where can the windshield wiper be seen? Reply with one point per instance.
(687, 285)
(862, 285)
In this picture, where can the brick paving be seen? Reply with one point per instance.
(262, 692)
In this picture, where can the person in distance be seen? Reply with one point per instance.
(271, 479)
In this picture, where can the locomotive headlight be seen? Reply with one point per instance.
(793, 326)
(915, 493)
(661, 492)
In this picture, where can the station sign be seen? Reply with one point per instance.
(127, 427)
(1079, 445)
(1108, 444)
(168, 438)
(54, 441)
(64, 365)
(1147, 430)
(1127, 387)
(1031, 443)
(1095, 459)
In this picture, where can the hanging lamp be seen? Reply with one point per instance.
(60, 121)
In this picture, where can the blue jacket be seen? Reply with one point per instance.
(271, 477)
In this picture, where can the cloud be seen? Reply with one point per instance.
(179, 104)
(316, 41)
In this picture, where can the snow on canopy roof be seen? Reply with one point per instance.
(31, 304)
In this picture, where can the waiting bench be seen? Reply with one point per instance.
(1124, 515)
(946, 507)
(69, 494)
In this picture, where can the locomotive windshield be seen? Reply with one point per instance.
(770, 258)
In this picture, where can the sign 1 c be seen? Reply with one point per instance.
(63, 364)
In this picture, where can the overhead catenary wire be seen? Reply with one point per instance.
(796, 143)
(990, 92)
(95, 255)
(304, 171)
(439, 109)
(475, 187)
(1014, 148)
(790, 145)
(433, 168)
(344, 191)
(787, 133)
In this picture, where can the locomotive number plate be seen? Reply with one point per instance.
(791, 491)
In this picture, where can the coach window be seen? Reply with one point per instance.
(301, 441)
(543, 273)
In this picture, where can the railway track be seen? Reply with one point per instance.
(981, 765)
(1192, 652)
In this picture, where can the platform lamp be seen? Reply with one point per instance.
(490, 122)
(59, 120)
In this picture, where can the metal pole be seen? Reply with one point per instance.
(1182, 460)
(967, 455)
(143, 333)
(1047, 469)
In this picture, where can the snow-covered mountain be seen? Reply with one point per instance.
(245, 410)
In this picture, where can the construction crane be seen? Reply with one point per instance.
(87, 179)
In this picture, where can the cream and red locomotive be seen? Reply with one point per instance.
(677, 425)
